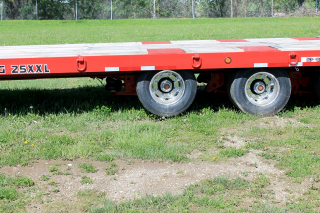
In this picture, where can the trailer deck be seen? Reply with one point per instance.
(137, 48)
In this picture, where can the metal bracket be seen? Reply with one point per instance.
(130, 82)
(217, 80)
(81, 64)
(293, 58)
(196, 61)
(297, 80)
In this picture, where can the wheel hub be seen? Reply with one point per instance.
(167, 87)
(262, 88)
(259, 87)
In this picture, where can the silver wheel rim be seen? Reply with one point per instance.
(262, 89)
(167, 87)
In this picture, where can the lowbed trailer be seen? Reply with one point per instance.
(259, 75)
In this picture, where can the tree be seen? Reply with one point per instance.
(51, 9)
(91, 9)
(12, 8)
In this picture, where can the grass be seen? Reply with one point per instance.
(11, 199)
(44, 178)
(233, 152)
(86, 180)
(111, 169)
(69, 119)
(58, 173)
(87, 167)
(95, 31)
(53, 169)
(103, 157)
(299, 144)
(63, 121)
(23, 182)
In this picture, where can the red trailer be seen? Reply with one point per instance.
(259, 75)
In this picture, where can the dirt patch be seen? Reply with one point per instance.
(141, 177)
(277, 122)
(233, 141)
(195, 154)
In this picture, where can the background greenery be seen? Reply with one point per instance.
(124, 9)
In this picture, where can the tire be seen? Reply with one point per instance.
(260, 91)
(166, 93)
(317, 85)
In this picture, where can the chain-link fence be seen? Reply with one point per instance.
(134, 9)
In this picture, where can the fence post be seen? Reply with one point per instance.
(1, 10)
(37, 9)
(192, 10)
(111, 9)
(271, 8)
(231, 9)
(316, 6)
(154, 9)
(76, 10)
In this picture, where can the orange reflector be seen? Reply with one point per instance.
(227, 60)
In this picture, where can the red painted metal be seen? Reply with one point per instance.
(232, 40)
(296, 81)
(130, 82)
(156, 42)
(217, 80)
(293, 58)
(306, 38)
(166, 51)
(196, 61)
(95, 65)
(81, 63)
(259, 49)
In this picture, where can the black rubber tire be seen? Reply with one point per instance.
(317, 85)
(143, 82)
(236, 92)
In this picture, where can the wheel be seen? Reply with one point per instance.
(260, 92)
(166, 93)
(317, 85)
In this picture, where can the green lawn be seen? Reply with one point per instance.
(77, 118)
(89, 31)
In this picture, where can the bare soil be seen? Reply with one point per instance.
(134, 180)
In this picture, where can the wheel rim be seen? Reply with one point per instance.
(262, 88)
(167, 87)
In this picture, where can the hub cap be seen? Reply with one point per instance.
(262, 88)
(167, 87)
(259, 87)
